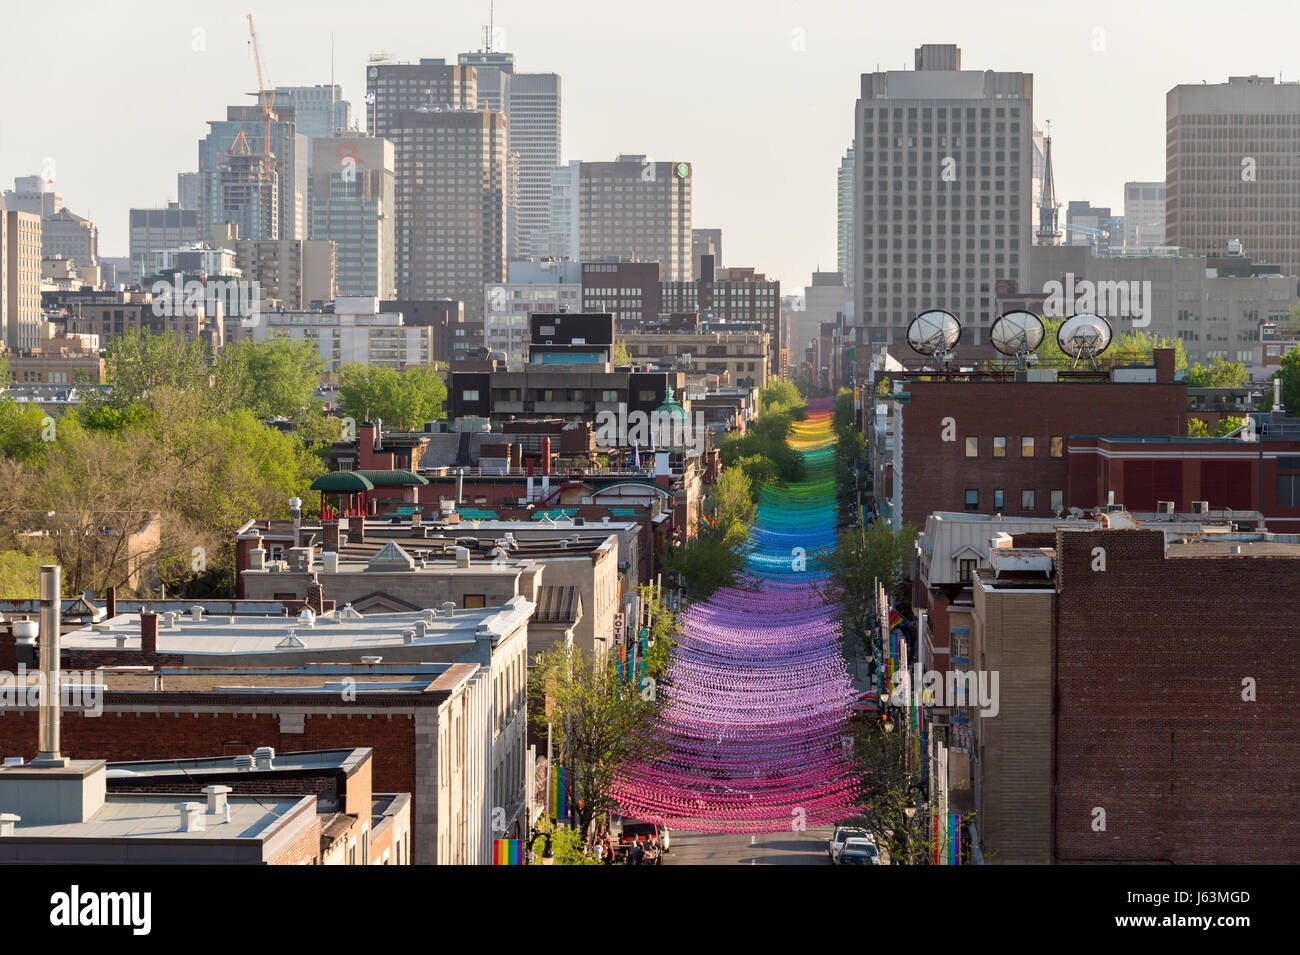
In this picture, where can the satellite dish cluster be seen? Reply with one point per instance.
(1016, 334)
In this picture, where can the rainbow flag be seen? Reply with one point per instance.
(895, 618)
(558, 804)
(954, 838)
(506, 852)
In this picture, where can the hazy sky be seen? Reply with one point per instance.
(758, 94)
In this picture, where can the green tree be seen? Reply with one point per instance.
(663, 633)
(1220, 373)
(25, 431)
(275, 377)
(780, 395)
(859, 559)
(1289, 371)
(137, 363)
(890, 788)
(401, 399)
(621, 355)
(599, 723)
(733, 506)
(19, 574)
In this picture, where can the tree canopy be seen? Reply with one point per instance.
(402, 399)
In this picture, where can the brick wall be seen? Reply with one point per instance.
(936, 473)
(304, 849)
(1151, 724)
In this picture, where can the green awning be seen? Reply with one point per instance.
(342, 482)
(477, 514)
(394, 478)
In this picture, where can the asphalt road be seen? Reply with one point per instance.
(764, 848)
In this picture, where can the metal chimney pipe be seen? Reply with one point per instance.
(51, 594)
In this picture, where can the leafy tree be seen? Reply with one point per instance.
(404, 399)
(599, 723)
(890, 787)
(1134, 345)
(566, 845)
(275, 377)
(19, 574)
(779, 395)
(621, 355)
(24, 427)
(1289, 372)
(137, 363)
(858, 559)
(706, 564)
(1197, 428)
(733, 506)
(663, 633)
(1218, 374)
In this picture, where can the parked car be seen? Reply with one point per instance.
(837, 839)
(858, 851)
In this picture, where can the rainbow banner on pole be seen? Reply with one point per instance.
(506, 852)
(558, 803)
(954, 838)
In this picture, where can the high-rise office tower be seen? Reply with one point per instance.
(562, 231)
(531, 102)
(188, 190)
(152, 229)
(235, 182)
(637, 209)
(942, 167)
(1144, 216)
(20, 278)
(319, 111)
(533, 115)
(450, 188)
(844, 210)
(353, 203)
(393, 89)
(1094, 226)
(1231, 169)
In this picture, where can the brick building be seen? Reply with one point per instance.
(1117, 739)
(988, 443)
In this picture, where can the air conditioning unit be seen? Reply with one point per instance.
(1200, 507)
(1164, 507)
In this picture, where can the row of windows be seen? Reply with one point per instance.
(1028, 446)
(1028, 500)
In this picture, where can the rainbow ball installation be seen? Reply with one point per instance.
(758, 698)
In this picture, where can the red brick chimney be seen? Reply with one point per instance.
(148, 633)
(110, 598)
(316, 596)
(356, 530)
(1164, 358)
(330, 536)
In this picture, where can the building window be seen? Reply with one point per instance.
(966, 570)
(1057, 501)
(1026, 447)
(469, 394)
(972, 447)
(1288, 490)
(235, 749)
(1026, 500)
(474, 601)
(972, 499)
(999, 447)
(1057, 449)
(998, 500)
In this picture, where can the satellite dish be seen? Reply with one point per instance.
(1017, 333)
(934, 333)
(1084, 336)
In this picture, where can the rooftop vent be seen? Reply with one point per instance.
(307, 617)
(291, 642)
(7, 822)
(216, 799)
(243, 762)
(263, 756)
(1164, 507)
(1200, 507)
(408, 636)
(462, 557)
(449, 607)
(349, 613)
(197, 612)
(191, 816)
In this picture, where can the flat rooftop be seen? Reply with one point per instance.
(336, 630)
(326, 681)
(321, 759)
(144, 816)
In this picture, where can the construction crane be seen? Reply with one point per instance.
(263, 95)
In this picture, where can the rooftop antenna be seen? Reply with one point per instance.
(1017, 333)
(1084, 336)
(489, 29)
(934, 334)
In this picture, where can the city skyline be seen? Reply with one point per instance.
(689, 83)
